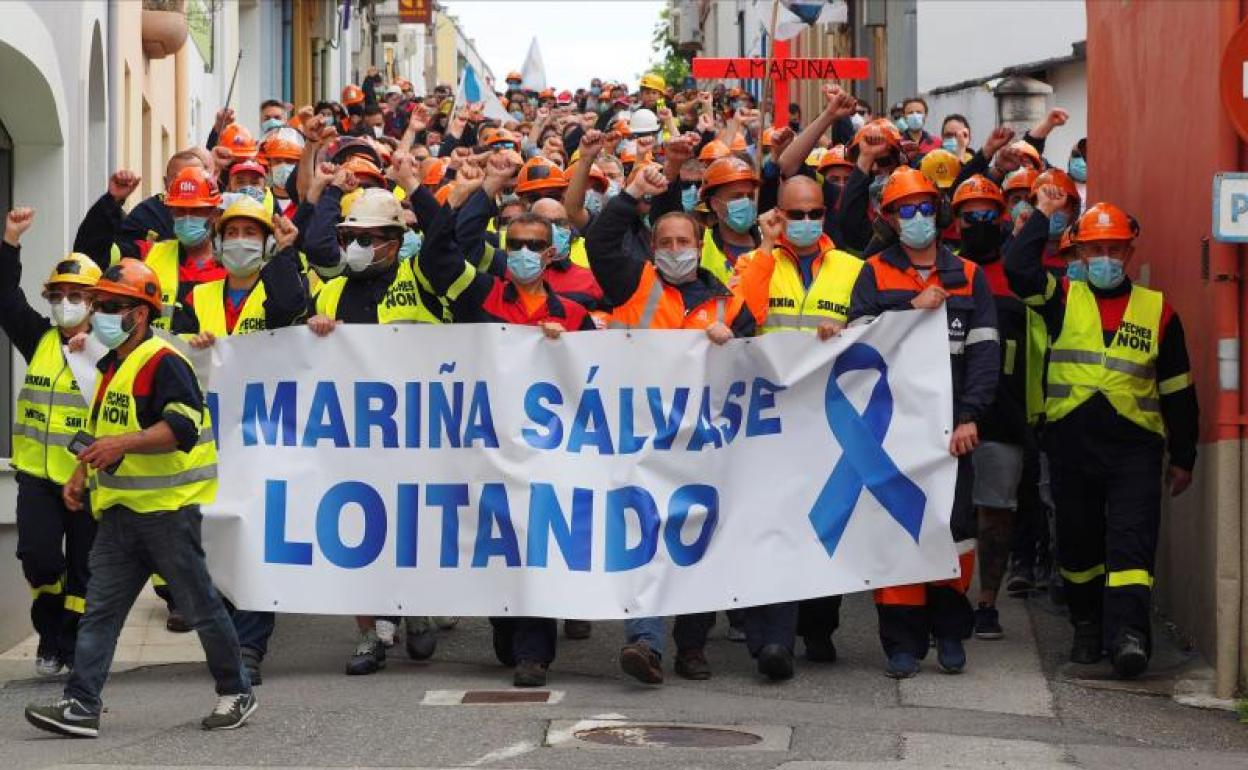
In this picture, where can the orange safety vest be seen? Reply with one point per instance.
(658, 305)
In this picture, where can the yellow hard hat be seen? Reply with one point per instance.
(75, 268)
(653, 80)
(941, 167)
(247, 208)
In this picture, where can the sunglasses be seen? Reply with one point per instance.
(986, 216)
(532, 244)
(74, 297)
(908, 210)
(110, 306)
(504, 145)
(364, 239)
(686, 185)
(795, 214)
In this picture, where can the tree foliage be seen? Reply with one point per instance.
(667, 59)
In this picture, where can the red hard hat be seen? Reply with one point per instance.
(352, 94)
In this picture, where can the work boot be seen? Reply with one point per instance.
(176, 622)
(529, 673)
(231, 711)
(577, 629)
(1022, 580)
(1087, 647)
(1130, 655)
(775, 661)
(421, 637)
(692, 664)
(901, 665)
(987, 623)
(251, 662)
(446, 622)
(66, 717)
(386, 631)
(642, 663)
(819, 649)
(369, 657)
(950, 655)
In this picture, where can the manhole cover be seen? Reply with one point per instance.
(480, 697)
(669, 736)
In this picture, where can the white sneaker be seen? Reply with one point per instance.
(48, 666)
(446, 622)
(386, 631)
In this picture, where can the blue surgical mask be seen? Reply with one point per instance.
(901, 124)
(613, 189)
(1058, 224)
(741, 214)
(280, 174)
(914, 121)
(688, 198)
(1021, 209)
(190, 231)
(918, 231)
(1078, 169)
(525, 264)
(271, 124)
(593, 201)
(562, 239)
(253, 192)
(110, 329)
(517, 116)
(411, 245)
(1105, 272)
(803, 232)
(1077, 270)
(595, 90)
(951, 145)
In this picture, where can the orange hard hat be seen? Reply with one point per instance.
(549, 93)
(738, 142)
(239, 141)
(712, 151)
(835, 156)
(903, 183)
(1055, 176)
(352, 94)
(767, 134)
(540, 174)
(192, 188)
(485, 134)
(1104, 222)
(881, 125)
(978, 188)
(1021, 179)
(1029, 152)
(403, 83)
(726, 171)
(597, 179)
(436, 172)
(361, 166)
(627, 155)
(131, 277)
(502, 136)
(513, 75)
(283, 144)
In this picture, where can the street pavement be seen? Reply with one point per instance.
(1018, 706)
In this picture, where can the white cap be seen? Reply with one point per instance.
(376, 207)
(643, 122)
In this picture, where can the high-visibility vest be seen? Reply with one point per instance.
(577, 253)
(209, 301)
(401, 304)
(50, 410)
(160, 481)
(793, 307)
(162, 258)
(658, 305)
(714, 260)
(1035, 348)
(1124, 372)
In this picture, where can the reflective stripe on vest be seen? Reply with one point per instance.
(50, 410)
(655, 305)
(162, 258)
(401, 303)
(793, 307)
(1081, 364)
(209, 302)
(152, 482)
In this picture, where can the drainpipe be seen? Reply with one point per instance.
(113, 89)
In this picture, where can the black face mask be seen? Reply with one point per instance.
(981, 241)
(832, 192)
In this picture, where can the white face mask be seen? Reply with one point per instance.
(858, 121)
(242, 257)
(357, 258)
(67, 315)
(676, 265)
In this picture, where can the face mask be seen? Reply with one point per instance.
(281, 173)
(109, 329)
(876, 190)
(517, 116)
(858, 121)
(253, 192)
(741, 214)
(562, 239)
(411, 245)
(688, 198)
(379, 131)
(1077, 270)
(981, 239)
(595, 90)
(524, 264)
(950, 145)
(242, 256)
(919, 231)
(1078, 169)
(613, 189)
(1021, 209)
(914, 121)
(803, 232)
(1058, 223)
(902, 124)
(357, 258)
(271, 124)
(67, 315)
(676, 265)
(832, 192)
(593, 201)
(1105, 272)
(190, 231)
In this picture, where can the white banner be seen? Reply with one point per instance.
(485, 470)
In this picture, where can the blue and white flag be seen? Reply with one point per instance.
(533, 73)
(473, 90)
(794, 16)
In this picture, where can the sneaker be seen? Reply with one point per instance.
(386, 630)
(251, 662)
(987, 623)
(577, 629)
(736, 633)
(1087, 647)
(176, 623)
(642, 663)
(529, 674)
(446, 622)
(901, 665)
(48, 665)
(65, 717)
(231, 712)
(1130, 655)
(775, 662)
(692, 664)
(819, 650)
(421, 637)
(950, 655)
(1022, 580)
(369, 657)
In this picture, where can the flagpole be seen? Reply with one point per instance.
(763, 122)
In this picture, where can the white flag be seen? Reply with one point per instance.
(793, 16)
(472, 90)
(534, 71)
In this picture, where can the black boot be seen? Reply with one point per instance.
(1087, 647)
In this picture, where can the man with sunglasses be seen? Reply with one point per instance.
(919, 272)
(53, 543)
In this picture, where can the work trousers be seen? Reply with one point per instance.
(1030, 539)
(818, 618)
(688, 631)
(525, 639)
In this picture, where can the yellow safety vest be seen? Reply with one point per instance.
(792, 307)
(209, 301)
(577, 253)
(401, 304)
(50, 410)
(714, 260)
(163, 259)
(1082, 365)
(160, 481)
(1037, 345)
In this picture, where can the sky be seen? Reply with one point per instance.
(578, 40)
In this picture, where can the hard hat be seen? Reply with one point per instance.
(74, 268)
(501, 136)
(239, 141)
(374, 208)
(883, 125)
(347, 146)
(738, 142)
(403, 83)
(540, 174)
(513, 75)
(767, 134)
(192, 188)
(1026, 149)
(815, 156)
(548, 93)
(653, 80)
(623, 126)
(283, 144)
(726, 171)
(941, 167)
(597, 179)
(903, 183)
(361, 166)
(712, 151)
(628, 154)
(978, 188)
(436, 172)
(131, 277)
(565, 97)
(247, 208)
(1104, 222)
(1020, 179)
(1055, 176)
(835, 156)
(247, 165)
(352, 94)
(644, 122)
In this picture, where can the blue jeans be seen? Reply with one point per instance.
(128, 548)
(689, 631)
(254, 629)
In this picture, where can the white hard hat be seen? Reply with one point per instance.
(643, 122)
(376, 207)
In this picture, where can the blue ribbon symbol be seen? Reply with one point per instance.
(863, 463)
